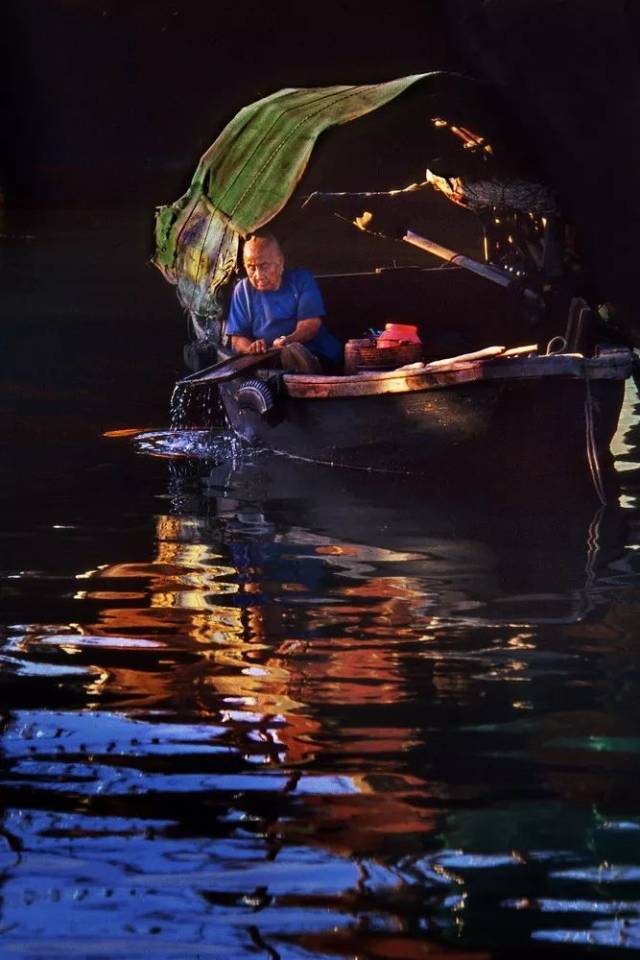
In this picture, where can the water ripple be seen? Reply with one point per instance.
(291, 713)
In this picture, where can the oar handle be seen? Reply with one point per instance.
(226, 369)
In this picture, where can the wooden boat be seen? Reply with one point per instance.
(417, 418)
(467, 402)
(490, 407)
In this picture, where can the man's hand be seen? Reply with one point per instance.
(258, 346)
(305, 330)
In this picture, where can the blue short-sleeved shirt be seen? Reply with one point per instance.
(268, 314)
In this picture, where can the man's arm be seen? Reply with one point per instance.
(310, 311)
(305, 330)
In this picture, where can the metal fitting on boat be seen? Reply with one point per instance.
(256, 395)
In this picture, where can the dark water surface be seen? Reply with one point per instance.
(252, 708)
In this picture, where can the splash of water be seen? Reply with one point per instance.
(195, 405)
(198, 429)
(215, 446)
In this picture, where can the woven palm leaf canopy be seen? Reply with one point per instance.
(246, 178)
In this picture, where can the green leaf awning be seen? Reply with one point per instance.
(255, 164)
(249, 173)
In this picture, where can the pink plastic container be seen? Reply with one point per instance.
(395, 333)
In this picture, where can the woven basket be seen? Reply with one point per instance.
(365, 355)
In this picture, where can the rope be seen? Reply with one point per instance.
(324, 194)
(556, 345)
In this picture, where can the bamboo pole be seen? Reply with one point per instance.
(494, 274)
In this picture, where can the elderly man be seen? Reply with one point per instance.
(277, 308)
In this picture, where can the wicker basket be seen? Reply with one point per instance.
(365, 355)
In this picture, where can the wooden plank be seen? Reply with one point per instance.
(521, 351)
(485, 353)
(561, 365)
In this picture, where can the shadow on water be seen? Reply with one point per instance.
(259, 708)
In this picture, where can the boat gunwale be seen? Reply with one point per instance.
(609, 364)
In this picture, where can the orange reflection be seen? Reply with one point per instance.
(382, 946)
(275, 674)
(128, 431)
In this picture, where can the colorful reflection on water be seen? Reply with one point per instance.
(325, 718)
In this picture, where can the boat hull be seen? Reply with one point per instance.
(487, 423)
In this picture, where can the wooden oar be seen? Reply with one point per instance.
(468, 263)
(229, 368)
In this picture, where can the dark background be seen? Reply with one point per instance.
(109, 103)
(109, 97)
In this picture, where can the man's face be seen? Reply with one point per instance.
(264, 264)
